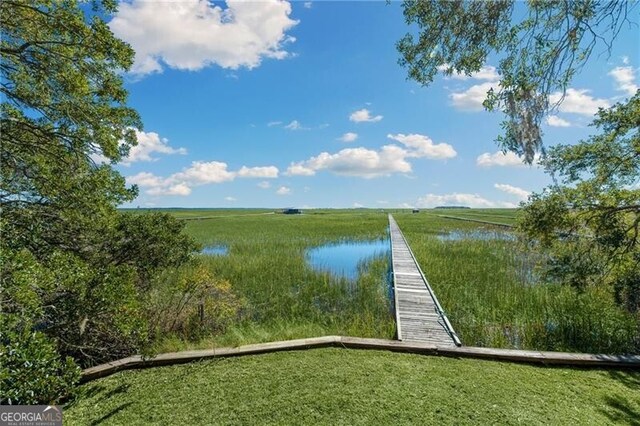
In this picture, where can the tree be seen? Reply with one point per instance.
(539, 54)
(588, 223)
(74, 270)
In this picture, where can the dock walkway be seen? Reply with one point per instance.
(419, 316)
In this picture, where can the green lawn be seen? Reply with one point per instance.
(338, 386)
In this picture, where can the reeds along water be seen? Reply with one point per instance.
(494, 297)
(488, 288)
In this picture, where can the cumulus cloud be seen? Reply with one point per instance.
(487, 72)
(264, 184)
(423, 146)
(578, 101)
(513, 190)
(472, 98)
(283, 190)
(364, 115)
(369, 163)
(179, 189)
(361, 162)
(258, 172)
(231, 199)
(308, 4)
(193, 34)
(555, 121)
(455, 199)
(500, 159)
(148, 144)
(625, 78)
(198, 173)
(348, 137)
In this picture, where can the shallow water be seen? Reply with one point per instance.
(216, 250)
(342, 259)
(478, 235)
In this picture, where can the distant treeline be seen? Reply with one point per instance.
(452, 207)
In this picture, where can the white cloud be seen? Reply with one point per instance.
(357, 205)
(501, 159)
(423, 146)
(578, 101)
(148, 144)
(487, 72)
(283, 190)
(264, 185)
(274, 123)
(178, 189)
(294, 125)
(231, 199)
(360, 162)
(364, 115)
(625, 79)
(368, 163)
(202, 172)
(199, 173)
(555, 121)
(308, 4)
(145, 179)
(348, 137)
(269, 172)
(454, 199)
(193, 34)
(472, 98)
(513, 190)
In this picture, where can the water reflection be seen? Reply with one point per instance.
(343, 258)
(478, 234)
(217, 250)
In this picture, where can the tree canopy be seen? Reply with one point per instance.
(588, 222)
(74, 269)
(539, 51)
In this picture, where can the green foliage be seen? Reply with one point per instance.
(588, 222)
(74, 270)
(33, 371)
(539, 52)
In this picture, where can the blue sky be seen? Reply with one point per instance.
(276, 104)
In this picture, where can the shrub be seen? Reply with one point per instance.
(32, 371)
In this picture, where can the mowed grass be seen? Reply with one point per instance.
(338, 386)
(285, 298)
(494, 298)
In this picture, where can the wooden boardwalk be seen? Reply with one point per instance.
(419, 316)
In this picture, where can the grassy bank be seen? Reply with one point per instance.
(337, 386)
(284, 298)
(493, 297)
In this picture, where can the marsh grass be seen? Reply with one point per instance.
(489, 288)
(285, 298)
(494, 298)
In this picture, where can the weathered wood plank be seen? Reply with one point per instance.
(417, 315)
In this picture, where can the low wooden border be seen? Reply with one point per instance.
(531, 357)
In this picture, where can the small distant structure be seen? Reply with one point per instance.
(452, 207)
(291, 211)
(415, 211)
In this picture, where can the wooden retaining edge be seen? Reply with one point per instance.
(476, 220)
(511, 355)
